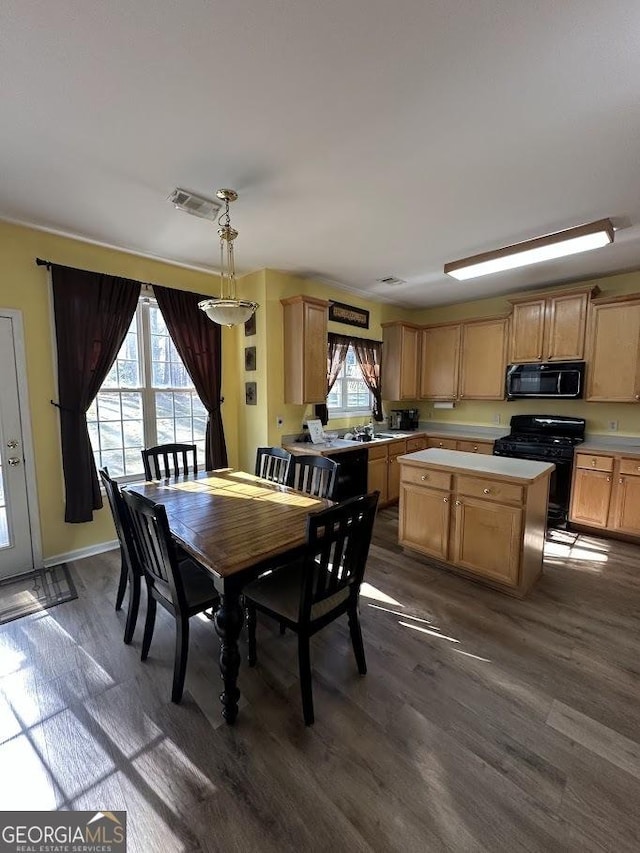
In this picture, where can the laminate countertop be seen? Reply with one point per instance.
(515, 470)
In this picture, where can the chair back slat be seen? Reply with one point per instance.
(338, 540)
(273, 464)
(155, 547)
(121, 522)
(315, 475)
(169, 460)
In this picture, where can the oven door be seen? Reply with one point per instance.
(559, 485)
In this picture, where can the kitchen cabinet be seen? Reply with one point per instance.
(439, 362)
(591, 490)
(400, 353)
(417, 443)
(606, 493)
(377, 471)
(466, 446)
(483, 359)
(384, 471)
(464, 361)
(305, 349)
(613, 350)
(479, 520)
(626, 497)
(550, 327)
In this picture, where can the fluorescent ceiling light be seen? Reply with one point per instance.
(558, 245)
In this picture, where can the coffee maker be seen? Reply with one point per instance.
(406, 419)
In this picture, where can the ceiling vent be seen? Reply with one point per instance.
(197, 205)
(391, 280)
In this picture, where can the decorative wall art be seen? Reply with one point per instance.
(251, 393)
(349, 315)
(249, 358)
(250, 326)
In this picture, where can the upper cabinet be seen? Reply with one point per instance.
(305, 349)
(464, 361)
(550, 327)
(483, 359)
(400, 351)
(613, 351)
(440, 360)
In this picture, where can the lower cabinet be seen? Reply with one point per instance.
(480, 446)
(486, 527)
(384, 470)
(606, 493)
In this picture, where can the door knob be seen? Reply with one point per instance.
(13, 460)
(12, 444)
(458, 503)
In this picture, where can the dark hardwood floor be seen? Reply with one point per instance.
(485, 723)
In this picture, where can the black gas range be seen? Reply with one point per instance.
(546, 438)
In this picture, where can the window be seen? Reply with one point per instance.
(350, 395)
(147, 398)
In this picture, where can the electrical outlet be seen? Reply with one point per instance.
(279, 421)
(496, 418)
(613, 426)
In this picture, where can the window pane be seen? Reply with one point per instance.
(128, 374)
(179, 376)
(156, 320)
(133, 461)
(129, 348)
(133, 434)
(182, 404)
(183, 429)
(109, 407)
(350, 390)
(198, 408)
(131, 406)
(199, 428)
(165, 431)
(114, 462)
(92, 412)
(110, 435)
(161, 374)
(164, 404)
(112, 377)
(160, 348)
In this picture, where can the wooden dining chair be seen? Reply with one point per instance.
(175, 460)
(130, 568)
(273, 464)
(321, 586)
(315, 475)
(183, 588)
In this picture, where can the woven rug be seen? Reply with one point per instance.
(35, 591)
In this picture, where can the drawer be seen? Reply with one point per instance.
(414, 444)
(444, 443)
(426, 477)
(596, 463)
(397, 448)
(485, 447)
(378, 452)
(630, 466)
(494, 490)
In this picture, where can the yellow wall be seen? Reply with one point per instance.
(597, 415)
(24, 286)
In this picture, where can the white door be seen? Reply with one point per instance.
(16, 555)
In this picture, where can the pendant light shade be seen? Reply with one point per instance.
(227, 310)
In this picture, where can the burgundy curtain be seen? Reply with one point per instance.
(368, 354)
(199, 344)
(336, 353)
(93, 312)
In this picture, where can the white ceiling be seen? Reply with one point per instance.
(365, 138)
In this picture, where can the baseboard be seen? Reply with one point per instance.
(81, 553)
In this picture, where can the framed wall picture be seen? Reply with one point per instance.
(249, 358)
(250, 326)
(251, 393)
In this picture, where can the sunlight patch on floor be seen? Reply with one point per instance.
(469, 655)
(369, 591)
(429, 631)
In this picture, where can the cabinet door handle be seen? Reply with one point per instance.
(608, 479)
(593, 462)
(621, 480)
(637, 396)
(475, 447)
(424, 477)
(540, 357)
(486, 491)
(458, 503)
(445, 500)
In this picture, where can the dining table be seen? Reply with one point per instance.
(237, 526)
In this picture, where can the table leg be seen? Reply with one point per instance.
(228, 623)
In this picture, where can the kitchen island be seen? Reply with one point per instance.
(481, 516)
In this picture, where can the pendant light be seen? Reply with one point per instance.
(227, 310)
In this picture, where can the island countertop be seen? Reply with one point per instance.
(515, 470)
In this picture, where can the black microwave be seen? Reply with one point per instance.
(556, 379)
